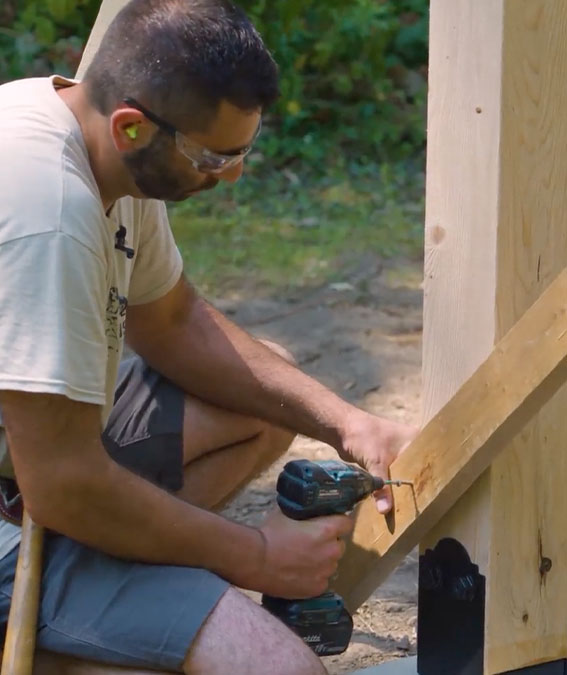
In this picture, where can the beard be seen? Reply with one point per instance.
(152, 172)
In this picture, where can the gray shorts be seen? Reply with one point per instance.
(110, 610)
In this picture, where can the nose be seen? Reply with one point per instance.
(233, 174)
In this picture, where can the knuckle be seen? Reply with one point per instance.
(329, 529)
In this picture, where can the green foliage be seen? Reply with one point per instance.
(338, 167)
(352, 75)
(352, 71)
(39, 37)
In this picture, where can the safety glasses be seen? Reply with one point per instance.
(202, 159)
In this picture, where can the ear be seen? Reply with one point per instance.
(130, 130)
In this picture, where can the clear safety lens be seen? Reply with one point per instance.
(207, 161)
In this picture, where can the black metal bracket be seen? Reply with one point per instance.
(450, 612)
(450, 624)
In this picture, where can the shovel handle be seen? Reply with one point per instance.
(19, 647)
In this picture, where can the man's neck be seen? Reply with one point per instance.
(108, 170)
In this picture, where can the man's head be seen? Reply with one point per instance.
(184, 83)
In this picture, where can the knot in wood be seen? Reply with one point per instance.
(545, 566)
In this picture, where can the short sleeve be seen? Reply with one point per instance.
(52, 308)
(158, 265)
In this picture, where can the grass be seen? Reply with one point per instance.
(278, 229)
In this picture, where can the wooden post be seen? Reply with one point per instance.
(523, 372)
(496, 235)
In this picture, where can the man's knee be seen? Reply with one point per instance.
(242, 638)
(279, 350)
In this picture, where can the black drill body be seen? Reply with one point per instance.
(309, 490)
(312, 489)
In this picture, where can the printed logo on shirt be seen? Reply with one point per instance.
(115, 319)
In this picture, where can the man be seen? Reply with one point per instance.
(128, 465)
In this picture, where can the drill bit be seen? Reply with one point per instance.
(380, 483)
(398, 483)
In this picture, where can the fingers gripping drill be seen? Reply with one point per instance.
(308, 490)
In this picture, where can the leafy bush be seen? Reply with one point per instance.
(39, 37)
(352, 71)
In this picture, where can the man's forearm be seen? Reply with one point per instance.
(109, 508)
(212, 358)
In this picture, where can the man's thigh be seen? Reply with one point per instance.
(238, 638)
(99, 608)
(200, 452)
(156, 430)
(241, 638)
(105, 611)
(144, 431)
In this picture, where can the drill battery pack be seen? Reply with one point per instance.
(323, 623)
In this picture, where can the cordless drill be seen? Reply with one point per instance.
(308, 490)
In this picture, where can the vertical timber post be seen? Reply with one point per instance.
(493, 573)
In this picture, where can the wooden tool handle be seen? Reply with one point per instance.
(19, 647)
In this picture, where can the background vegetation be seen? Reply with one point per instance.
(338, 168)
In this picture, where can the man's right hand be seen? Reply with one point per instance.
(301, 556)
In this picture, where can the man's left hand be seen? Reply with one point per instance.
(373, 443)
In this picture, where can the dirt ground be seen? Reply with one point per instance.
(361, 337)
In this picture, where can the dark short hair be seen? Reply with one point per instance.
(181, 58)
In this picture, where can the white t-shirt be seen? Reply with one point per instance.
(64, 286)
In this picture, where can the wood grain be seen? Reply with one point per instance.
(526, 619)
(522, 373)
(500, 197)
(463, 168)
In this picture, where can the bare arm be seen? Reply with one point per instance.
(186, 339)
(207, 355)
(69, 484)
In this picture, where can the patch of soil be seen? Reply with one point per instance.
(362, 338)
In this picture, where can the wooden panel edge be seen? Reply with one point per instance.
(523, 371)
